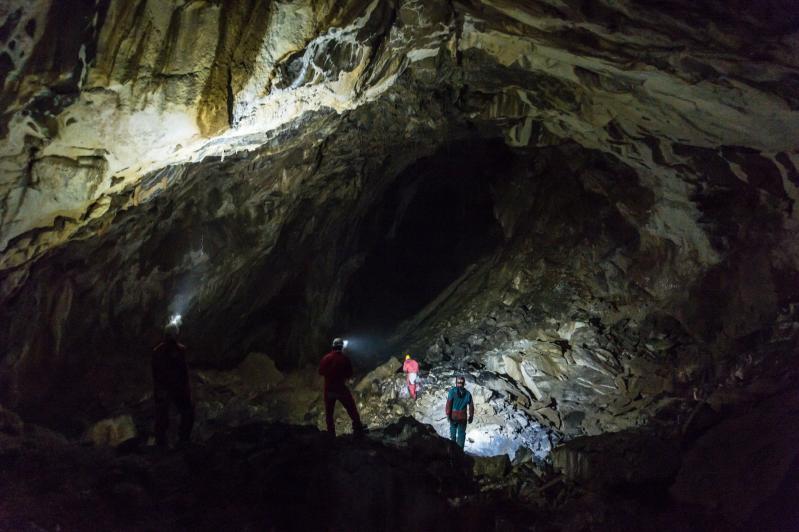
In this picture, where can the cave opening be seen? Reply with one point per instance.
(435, 220)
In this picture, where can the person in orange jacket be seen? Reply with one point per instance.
(336, 368)
(411, 369)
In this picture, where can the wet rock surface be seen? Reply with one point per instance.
(585, 208)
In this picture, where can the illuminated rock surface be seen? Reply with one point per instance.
(588, 208)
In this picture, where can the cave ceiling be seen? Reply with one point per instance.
(628, 172)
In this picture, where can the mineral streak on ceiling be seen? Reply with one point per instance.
(99, 94)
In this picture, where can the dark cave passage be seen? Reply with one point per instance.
(436, 220)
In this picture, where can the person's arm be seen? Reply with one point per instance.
(449, 406)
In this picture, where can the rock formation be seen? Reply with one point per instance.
(586, 207)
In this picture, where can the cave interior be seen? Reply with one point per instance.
(584, 208)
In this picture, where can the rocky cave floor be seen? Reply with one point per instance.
(259, 461)
(587, 207)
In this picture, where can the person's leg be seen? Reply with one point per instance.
(352, 409)
(412, 384)
(453, 431)
(330, 405)
(186, 408)
(161, 417)
(462, 434)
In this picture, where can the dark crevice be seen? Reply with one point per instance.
(231, 97)
(430, 226)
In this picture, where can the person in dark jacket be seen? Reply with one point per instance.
(171, 385)
(458, 401)
(336, 368)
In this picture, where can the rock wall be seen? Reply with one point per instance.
(225, 161)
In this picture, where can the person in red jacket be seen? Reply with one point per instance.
(411, 369)
(171, 385)
(336, 368)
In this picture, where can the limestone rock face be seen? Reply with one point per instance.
(587, 205)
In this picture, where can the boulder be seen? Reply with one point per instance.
(492, 466)
(406, 428)
(111, 432)
(258, 371)
(254, 375)
(512, 368)
(381, 373)
(523, 455)
(742, 462)
(568, 329)
(611, 459)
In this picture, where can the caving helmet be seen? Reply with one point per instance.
(407, 356)
(171, 331)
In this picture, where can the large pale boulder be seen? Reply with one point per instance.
(258, 371)
(111, 432)
(384, 372)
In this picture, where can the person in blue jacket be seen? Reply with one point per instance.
(458, 401)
